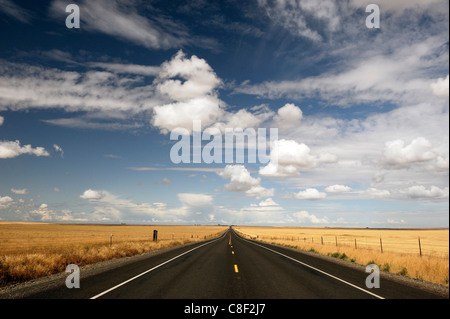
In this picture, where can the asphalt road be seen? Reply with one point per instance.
(232, 267)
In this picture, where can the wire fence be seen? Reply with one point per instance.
(405, 245)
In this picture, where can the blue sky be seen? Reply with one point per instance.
(362, 114)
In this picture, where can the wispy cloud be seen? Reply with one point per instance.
(123, 19)
(15, 11)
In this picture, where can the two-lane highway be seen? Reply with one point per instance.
(231, 267)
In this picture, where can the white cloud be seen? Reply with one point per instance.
(301, 17)
(122, 19)
(305, 217)
(200, 78)
(442, 163)
(11, 149)
(242, 181)
(310, 194)
(338, 189)
(195, 200)
(288, 156)
(103, 94)
(109, 207)
(194, 99)
(402, 77)
(396, 154)
(288, 116)
(19, 191)
(268, 202)
(441, 87)
(171, 116)
(93, 194)
(5, 202)
(420, 191)
(128, 68)
(59, 149)
(242, 119)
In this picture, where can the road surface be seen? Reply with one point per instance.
(231, 267)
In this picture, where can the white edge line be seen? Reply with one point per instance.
(316, 269)
(149, 270)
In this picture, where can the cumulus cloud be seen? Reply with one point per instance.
(43, 213)
(305, 217)
(288, 156)
(93, 194)
(199, 78)
(193, 99)
(11, 149)
(195, 200)
(441, 87)
(310, 194)
(242, 181)
(288, 116)
(397, 155)
(5, 202)
(420, 191)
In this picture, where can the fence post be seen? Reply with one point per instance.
(321, 239)
(110, 240)
(420, 248)
(155, 235)
(355, 244)
(381, 245)
(335, 237)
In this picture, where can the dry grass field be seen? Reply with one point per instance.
(394, 250)
(33, 250)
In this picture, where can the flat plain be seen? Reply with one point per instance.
(33, 250)
(394, 250)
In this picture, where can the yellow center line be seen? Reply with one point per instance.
(236, 268)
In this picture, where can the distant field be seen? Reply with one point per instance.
(394, 250)
(33, 250)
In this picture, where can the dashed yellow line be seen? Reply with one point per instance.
(236, 268)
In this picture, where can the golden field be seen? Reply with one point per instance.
(400, 247)
(33, 250)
